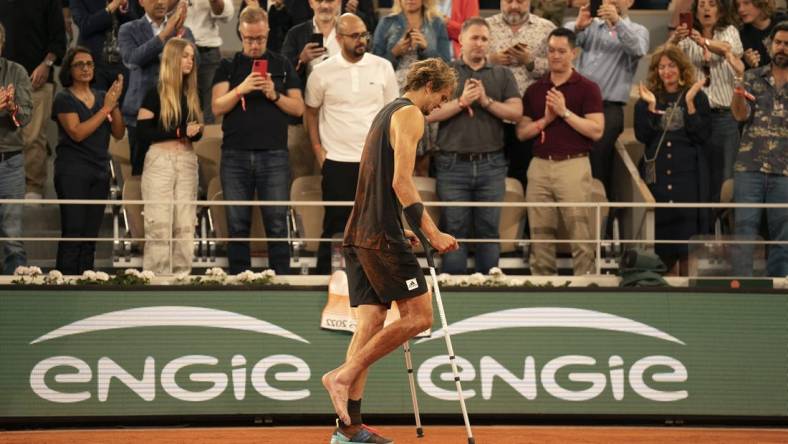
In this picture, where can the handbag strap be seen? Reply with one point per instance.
(672, 111)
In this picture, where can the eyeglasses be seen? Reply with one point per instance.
(358, 35)
(83, 65)
(252, 40)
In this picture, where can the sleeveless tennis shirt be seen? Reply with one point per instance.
(375, 222)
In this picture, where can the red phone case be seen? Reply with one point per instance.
(686, 18)
(260, 66)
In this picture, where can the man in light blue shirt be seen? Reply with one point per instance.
(611, 45)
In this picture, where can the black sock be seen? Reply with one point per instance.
(354, 410)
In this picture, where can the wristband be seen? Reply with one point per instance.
(740, 91)
(15, 109)
(278, 96)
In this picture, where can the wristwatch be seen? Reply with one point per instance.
(49, 63)
(567, 113)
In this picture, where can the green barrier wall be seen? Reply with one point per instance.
(64, 353)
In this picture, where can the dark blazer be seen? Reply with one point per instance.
(94, 21)
(141, 53)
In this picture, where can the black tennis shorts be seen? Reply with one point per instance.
(377, 277)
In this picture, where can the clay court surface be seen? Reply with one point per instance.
(403, 435)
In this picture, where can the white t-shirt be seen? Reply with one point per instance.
(349, 96)
(204, 24)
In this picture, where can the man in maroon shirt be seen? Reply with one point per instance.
(563, 110)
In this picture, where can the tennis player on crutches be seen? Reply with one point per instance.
(380, 263)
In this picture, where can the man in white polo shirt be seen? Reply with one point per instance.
(343, 95)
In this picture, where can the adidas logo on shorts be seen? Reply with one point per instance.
(412, 284)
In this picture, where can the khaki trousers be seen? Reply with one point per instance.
(35, 139)
(559, 181)
(169, 174)
(302, 157)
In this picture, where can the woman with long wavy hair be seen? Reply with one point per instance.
(673, 121)
(169, 120)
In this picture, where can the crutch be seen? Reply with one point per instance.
(412, 382)
(431, 262)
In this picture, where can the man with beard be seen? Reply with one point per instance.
(611, 47)
(343, 95)
(381, 266)
(761, 171)
(518, 41)
(470, 163)
(306, 45)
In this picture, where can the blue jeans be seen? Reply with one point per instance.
(722, 149)
(471, 181)
(755, 187)
(12, 186)
(268, 173)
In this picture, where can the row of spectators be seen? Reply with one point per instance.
(518, 97)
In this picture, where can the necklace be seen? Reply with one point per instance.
(84, 98)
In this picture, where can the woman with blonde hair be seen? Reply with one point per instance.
(413, 31)
(169, 120)
(673, 120)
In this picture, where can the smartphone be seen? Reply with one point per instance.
(260, 66)
(317, 38)
(685, 18)
(593, 7)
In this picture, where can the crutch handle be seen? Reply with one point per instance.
(428, 250)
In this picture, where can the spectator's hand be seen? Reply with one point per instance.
(584, 18)
(443, 243)
(3, 98)
(412, 238)
(114, 5)
(647, 96)
(549, 114)
(681, 33)
(417, 39)
(556, 101)
(310, 52)
(609, 13)
(696, 37)
(501, 58)
(268, 87)
(520, 54)
(470, 93)
(252, 82)
(351, 6)
(697, 86)
(193, 128)
(479, 87)
(402, 46)
(113, 94)
(752, 57)
(39, 75)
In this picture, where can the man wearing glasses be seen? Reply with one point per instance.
(256, 91)
(343, 95)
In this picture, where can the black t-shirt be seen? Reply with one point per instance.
(263, 126)
(94, 149)
(754, 38)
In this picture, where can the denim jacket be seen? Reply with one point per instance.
(391, 29)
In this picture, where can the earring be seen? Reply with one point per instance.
(681, 81)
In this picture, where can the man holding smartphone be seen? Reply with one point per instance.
(306, 45)
(256, 110)
(612, 45)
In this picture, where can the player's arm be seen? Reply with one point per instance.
(407, 128)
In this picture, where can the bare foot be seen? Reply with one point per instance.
(338, 393)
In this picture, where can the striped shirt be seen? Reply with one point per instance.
(720, 89)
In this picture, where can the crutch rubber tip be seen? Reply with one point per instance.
(471, 441)
(419, 432)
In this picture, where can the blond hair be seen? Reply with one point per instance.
(429, 9)
(173, 84)
(434, 71)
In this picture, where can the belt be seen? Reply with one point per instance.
(472, 157)
(206, 48)
(9, 154)
(560, 157)
(610, 102)
(721, 110)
